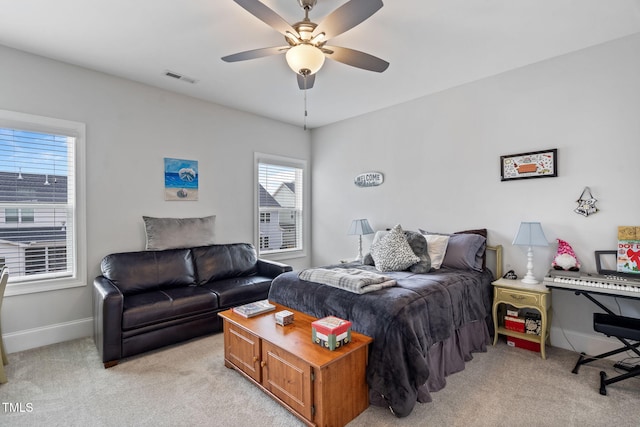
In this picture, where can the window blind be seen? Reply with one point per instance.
(280, 206)
(37, 193)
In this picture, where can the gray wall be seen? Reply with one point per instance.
(130, 129)
(440, 157)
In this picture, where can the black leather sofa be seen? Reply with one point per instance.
(149, 299)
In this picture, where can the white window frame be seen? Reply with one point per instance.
(290, 162)
(34, 123)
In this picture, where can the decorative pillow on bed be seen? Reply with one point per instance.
(465, 249)
(171, 233)
(368, 259)
(437, 248)
(420, 248)
(482, 251)
(392, 251)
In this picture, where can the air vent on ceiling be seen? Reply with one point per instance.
(179, 76)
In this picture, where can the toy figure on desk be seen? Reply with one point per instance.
(566, 258)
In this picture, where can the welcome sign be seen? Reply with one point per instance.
(369, 179)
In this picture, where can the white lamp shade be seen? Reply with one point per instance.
(360, 227)
(305, 57)
(530, 234)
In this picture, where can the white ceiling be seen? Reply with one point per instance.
(431, 45)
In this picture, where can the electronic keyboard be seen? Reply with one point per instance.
(612, 284)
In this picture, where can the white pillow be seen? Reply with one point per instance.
(392, 251)
(437, 248)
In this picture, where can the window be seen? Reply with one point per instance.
(10, 215)
(280, 212)
(18, 215)
(42, 225)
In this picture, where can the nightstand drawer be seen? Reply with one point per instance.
(518, 297)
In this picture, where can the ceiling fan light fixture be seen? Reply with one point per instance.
(305, 57)
(291, 39)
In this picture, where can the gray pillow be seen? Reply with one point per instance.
(170, 233)
(464, 251)
(419, 247)
(392, 251)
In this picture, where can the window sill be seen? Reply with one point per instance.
(281, 256)
(25, 288)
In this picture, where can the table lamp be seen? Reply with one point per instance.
(530, 234)
(359, 227)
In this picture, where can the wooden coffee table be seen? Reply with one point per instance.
(319, 386)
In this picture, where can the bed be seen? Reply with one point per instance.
(424, 327)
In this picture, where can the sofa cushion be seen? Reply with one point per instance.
(167, 304)
(240, 290)
(134, 272)
(216, 262)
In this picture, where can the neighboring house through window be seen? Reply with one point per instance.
(280, 213)
(42, 227)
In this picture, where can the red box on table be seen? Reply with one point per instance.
(331, 332)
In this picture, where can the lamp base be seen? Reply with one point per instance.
(359, 258)
(529, 278)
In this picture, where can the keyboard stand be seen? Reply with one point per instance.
(613, 325)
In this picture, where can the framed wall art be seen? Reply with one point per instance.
(537, 164)
(180, 179)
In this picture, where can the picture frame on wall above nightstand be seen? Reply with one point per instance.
(535, 164)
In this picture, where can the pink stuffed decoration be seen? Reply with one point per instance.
(566, 258)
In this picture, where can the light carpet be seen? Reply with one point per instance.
(187, 385)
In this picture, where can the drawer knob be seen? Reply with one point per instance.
(263, 364)
(255, 359)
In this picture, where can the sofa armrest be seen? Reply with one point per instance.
(107, 320)
(272, 269)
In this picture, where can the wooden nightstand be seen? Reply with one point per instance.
(522, 295)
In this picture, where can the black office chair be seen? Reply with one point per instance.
(624, 329)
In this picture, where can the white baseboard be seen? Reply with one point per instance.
(590, 344)
(46, 335)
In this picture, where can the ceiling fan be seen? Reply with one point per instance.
(306, 47)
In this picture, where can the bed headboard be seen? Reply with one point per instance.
(497, 257)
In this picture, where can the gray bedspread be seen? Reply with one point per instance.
(404, 321)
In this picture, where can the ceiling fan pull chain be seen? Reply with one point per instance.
(305, 101)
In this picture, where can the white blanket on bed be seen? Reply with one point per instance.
(350, 279)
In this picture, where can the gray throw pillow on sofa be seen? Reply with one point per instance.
(171, 233)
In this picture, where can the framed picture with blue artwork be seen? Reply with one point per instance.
(180, 179)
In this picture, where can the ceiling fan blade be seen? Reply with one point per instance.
(309, 84)
(255, 53)
(347, 16)
(268, 16)
(355, 58)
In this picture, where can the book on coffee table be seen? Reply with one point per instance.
(254, 308)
